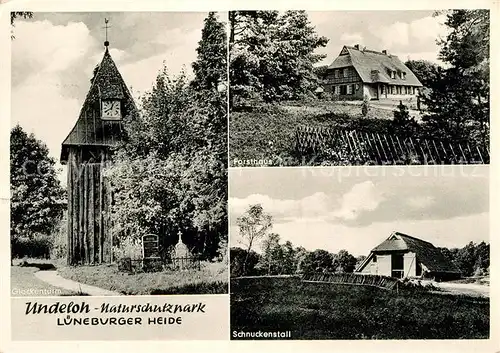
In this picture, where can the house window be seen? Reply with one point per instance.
(346, 72)
(404, 75)
(374, 258)
(337, 73)
(343, 90)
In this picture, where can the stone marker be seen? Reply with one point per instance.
(182, 254)
(151, 260)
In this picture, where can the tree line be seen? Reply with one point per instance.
(283, 258)
(279, 258)
(472, 260)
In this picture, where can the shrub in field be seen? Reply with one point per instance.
(238, 256)
(403, 125)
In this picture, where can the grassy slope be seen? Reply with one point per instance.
(322, 311)
(211, 279)
(267, 131)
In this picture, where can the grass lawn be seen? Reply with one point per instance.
(267, 131)
(329, 311)
(23, 282)
(212, 278)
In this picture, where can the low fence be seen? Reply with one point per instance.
(158, 264)
(359, 147)
(384, 282)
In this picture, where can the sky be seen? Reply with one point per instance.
(54, 54)
(357, 208)
(407, 34)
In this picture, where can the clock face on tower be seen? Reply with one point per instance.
(111, 109)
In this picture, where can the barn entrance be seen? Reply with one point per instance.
(397, 265)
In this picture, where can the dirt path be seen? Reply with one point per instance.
(54, 279)
(464, 288)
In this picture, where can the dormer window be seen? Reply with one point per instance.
(111, 109)
(393, 74)
(403, 75)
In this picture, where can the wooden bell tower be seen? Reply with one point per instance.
(86, 151)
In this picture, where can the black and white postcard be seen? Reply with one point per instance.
(197, 176)
(360, 253)
(118, 172)
(359, 87)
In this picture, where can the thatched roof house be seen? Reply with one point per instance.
(401, 256)
(356, 73)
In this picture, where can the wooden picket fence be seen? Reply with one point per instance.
(357, 147)
(359, 279)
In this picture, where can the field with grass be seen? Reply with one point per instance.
(212, 278)
(267, 131)
(330, 311)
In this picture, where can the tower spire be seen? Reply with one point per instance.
(106, 42)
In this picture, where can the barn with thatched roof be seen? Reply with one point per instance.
(86, 151)
(359, 72)
(402, 256)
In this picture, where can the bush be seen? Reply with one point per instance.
(128, 247)
(59, 240)
(403, 125)
(38, 247)
(237, 258)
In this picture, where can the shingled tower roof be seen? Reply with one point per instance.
(90, 129)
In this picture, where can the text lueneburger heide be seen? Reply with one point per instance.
(106, 308)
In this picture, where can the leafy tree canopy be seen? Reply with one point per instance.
(170, 174)
(37, 198)
(272, 55)
(459, 97)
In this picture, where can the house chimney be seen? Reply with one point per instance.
(384, 52)
(356, 46)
